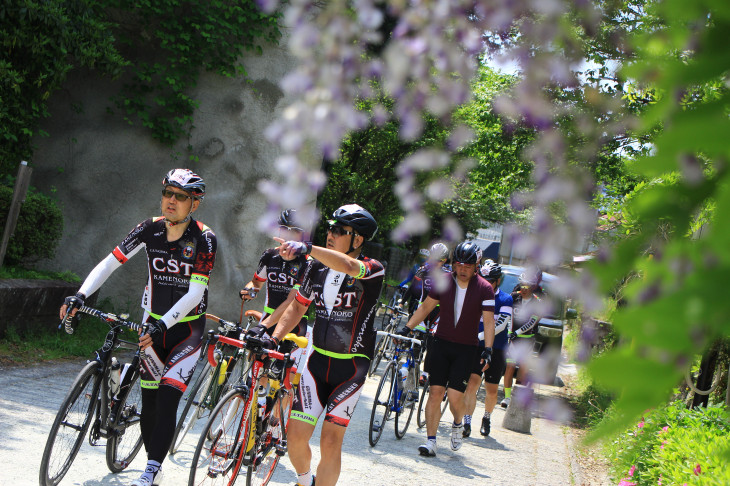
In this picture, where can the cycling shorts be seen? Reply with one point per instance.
(173, 363)
(329, 383)
(520, 346)
(450, 364)
(496, 367)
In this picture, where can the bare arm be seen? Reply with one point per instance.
(273, 319)
(257, 284)
(292, 315)
(335, 260)
(488, 318)
(423, 311)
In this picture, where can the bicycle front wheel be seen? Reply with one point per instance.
(382, 404)
(194, 407)
(379, 353)
(125, 439)
(70, 425)
(271, 443)
(421, 415)
(216, 461)
(406, 404)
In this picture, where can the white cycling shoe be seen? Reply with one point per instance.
(144, 480)
(457, 436)
(505, 402)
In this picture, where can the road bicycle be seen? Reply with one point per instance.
(105, 400)
(385, 347)
(398, 388)
(241, 431)
(212, 382)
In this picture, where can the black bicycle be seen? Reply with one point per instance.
(105, 400)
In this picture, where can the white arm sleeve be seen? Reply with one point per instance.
(99, 275)
(186, 303)
(503, 323)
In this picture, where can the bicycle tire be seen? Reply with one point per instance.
(269, 447)
(193, 408)
(382, 404)
(406, 404)
(72, 420)
(125, 440)
(378, 355)
(217, 462)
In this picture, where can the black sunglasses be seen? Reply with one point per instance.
(338, 230)
(177, 195)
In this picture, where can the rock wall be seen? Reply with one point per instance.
(107, 175)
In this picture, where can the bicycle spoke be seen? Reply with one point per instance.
(382, 404)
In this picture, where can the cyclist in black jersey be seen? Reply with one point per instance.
(281, 276)
(180, 256)
(344, 287)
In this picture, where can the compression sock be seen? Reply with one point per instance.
(305, 479)
(487, 414)
(467, 419)
(507, 392)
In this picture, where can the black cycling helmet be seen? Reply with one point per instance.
(467, 252)
(491, 270)
(187, 180)
(358, 218)
(287, 218)
(439, 251)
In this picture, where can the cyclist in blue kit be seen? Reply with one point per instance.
(180, 257)
(344, 287)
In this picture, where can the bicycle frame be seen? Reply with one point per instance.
(411, 353)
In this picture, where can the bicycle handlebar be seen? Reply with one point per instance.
(105, 316)
(399, 337)
(225, 326)
(395, 309)
(251, 343)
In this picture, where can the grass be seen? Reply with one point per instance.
(19, 272)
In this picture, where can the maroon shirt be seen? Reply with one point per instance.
(479, 297)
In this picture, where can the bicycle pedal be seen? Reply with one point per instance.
(281, 449)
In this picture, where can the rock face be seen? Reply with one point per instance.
(107, 175)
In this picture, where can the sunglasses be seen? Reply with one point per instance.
(177, 195)
(337, 230)
(526, 287)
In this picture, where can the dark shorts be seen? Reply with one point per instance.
(450, 364)
(496, 367)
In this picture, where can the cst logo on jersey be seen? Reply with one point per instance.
(281, 278)
(344, 299)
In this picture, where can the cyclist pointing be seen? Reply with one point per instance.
(180, 256)
(344, 287)
(466, 298)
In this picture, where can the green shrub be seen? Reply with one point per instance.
(673, 445)
(39, 227)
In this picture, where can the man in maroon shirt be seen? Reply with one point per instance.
(465, 299)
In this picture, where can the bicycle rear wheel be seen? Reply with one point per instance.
(382, 404)
(406, 404)
(194, 407)
(217, 461)
(70, 425)
(271, 443)
(125, 439)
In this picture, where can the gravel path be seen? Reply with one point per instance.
(30, 397)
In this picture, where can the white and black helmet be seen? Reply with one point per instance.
(439, 251)
(358, 218)
(187, 180)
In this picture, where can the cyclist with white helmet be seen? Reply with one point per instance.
(492, 273)
(465, 298)
(344, 287)
(180, 256)
(522, 335)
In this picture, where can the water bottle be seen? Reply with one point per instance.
(114, 376)
(404, 374)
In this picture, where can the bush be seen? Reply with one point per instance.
(674, 445)
(39, 227)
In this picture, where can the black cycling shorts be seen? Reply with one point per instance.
(496, 368)
(450, 364)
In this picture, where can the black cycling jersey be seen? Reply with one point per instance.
(348, 330)
(280, 275)
(172, 265)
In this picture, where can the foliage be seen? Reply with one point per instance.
(672, 312)
(170, 42)
(24, 273)
(38, 230)
(40, 42)
(673, 445)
